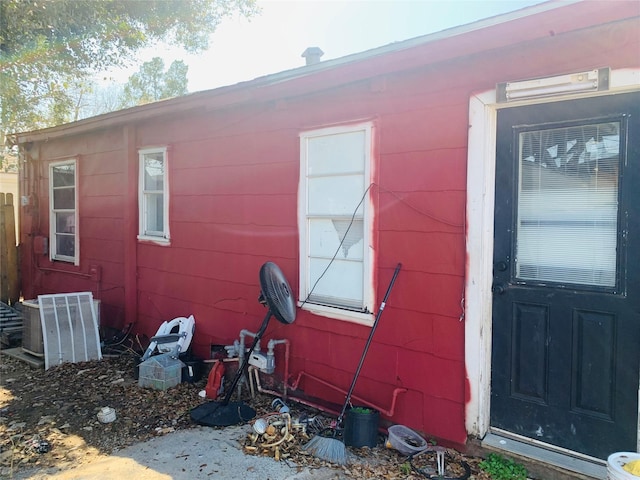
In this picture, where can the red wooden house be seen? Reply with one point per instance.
(499, 162)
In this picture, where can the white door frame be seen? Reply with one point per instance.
(481, 161)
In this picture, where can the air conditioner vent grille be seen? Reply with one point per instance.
(69, 328)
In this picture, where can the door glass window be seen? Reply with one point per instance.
(567, 212)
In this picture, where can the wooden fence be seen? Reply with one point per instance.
(9, 276)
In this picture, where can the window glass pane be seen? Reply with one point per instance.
(64, 198)
(62, 204)
(325, 236)
(65, 222)
(341, 284)
(155, 209)
(338, 153)
(65, 245)
(335, 195)
(568, 205)
(63, 175)
(153, 171)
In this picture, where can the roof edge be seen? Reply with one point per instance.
(240, 92)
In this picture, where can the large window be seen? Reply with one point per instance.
(335, 230)
(154, 195)
(63, 214)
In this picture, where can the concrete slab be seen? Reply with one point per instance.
(201, 452)
(20, 354)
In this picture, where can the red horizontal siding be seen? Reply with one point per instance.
(428, 252)
(431, 170)
(101, 250)
(439, 211)
(207, 264)
(102, 228)
(111, 272)
(448, 334)
(409, 329)
(261, 178)
(427, 129)
(228, 148)
(111, 206)
(101, 163)
(86, 144)
(100, 185)
(444, 419)
(263, 240)
(274, 210)
(429, 293)
(311, 345)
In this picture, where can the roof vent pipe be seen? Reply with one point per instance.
(312, 55)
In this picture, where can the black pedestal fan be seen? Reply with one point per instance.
(276, 294)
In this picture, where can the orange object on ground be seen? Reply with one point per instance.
(214, 382)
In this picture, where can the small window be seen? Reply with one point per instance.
(154, 195)
(335, 231)
(64, 213)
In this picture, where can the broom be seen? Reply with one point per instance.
(326, 445)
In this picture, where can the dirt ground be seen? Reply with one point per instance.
(49, 419)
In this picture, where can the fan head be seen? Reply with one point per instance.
(277, 293)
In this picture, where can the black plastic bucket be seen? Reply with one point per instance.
(361, 427)
(192, 370)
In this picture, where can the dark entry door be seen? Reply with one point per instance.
(566, 291)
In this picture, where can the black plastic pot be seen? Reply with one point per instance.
(361, 427)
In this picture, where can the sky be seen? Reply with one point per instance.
(274, 40)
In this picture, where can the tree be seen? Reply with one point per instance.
(98, 99)
(151, 83)
(47, 45)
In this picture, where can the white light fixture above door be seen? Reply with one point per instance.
(572, 83)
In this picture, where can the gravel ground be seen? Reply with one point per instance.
(48, 422)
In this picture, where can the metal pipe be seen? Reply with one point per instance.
(241, 350)
(309, 403)
(270, 351)
(388, 412)
(244, 365)
(286, 385)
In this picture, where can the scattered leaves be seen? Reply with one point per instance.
(49, 419)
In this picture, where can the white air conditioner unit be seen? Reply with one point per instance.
(32, 341)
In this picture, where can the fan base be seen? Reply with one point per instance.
(221, 414)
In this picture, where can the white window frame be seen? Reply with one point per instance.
(53, 247)
(364, 317)
(143, 233)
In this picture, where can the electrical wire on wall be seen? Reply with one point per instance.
(353, 216)
(346, 232)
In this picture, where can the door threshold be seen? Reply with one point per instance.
(587, 467)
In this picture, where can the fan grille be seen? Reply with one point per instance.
(277, 293)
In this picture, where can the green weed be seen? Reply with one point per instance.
(501, 468)
(362, 410)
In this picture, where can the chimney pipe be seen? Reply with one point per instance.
(312, 55)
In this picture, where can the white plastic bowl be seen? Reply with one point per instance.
(616, 461)
(405, 440)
